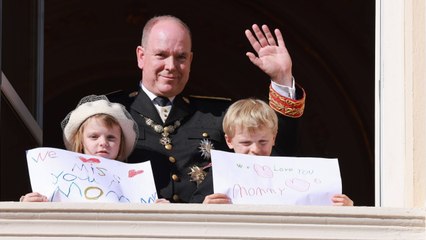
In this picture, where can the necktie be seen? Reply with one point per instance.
(161, 101)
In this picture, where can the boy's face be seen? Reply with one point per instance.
(259, 142)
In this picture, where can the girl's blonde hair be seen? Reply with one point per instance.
(109, 121)
(251, 114)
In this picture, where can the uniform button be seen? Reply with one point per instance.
(172, 159)
(205, 135)
(175, 177)
(168, 146)
(175, 197)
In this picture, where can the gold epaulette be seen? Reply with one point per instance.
(286, 106)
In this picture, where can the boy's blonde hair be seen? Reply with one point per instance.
(109, 122)
(250, 114)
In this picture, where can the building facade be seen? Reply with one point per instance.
(389, 173)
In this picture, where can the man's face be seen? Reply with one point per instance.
(258, 142)
(165, 59)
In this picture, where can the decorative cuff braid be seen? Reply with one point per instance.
(286, 106)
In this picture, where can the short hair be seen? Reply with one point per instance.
(153, 21)
(110, 122)
(249, 113)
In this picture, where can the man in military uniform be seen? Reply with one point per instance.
(176, 133)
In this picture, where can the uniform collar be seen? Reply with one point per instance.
(143, 105)
(151, 95)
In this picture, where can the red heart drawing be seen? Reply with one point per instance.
(263, 171)
(134, 172)
(89, 160)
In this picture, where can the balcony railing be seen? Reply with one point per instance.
(197, 221)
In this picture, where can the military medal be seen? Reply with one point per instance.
(165, 140)
(205, 147)
(198, 174)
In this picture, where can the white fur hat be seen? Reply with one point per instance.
(92, 105)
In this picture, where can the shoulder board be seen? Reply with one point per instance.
(210, 98)
(121, 96)
(216, 105)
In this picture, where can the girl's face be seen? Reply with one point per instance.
(259, 142)
(99, 140)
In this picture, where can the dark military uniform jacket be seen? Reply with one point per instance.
(197, 126)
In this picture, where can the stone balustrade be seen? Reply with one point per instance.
(197, 221)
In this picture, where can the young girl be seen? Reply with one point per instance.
(96, 127)
(250, 127)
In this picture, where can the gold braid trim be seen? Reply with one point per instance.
(286, 106)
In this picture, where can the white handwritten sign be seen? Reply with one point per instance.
(249, 179)
(65, 176)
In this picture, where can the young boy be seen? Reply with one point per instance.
(250, 127)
